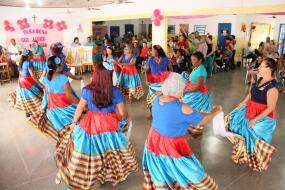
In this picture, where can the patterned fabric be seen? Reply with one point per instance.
(39, 68)
(205, 184)
(41, 122)
(80, 170)
(96, 150)
(168, 160)
(128, 79)
(154, 90)
(251, 144)
(32, 105)
(136, 93)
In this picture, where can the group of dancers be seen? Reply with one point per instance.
(92, 147)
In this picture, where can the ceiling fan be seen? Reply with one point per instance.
(122, 1)
(93, 9)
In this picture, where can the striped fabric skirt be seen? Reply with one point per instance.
(251, 144)
(129, 82)
(41, 122)
(200, 102)
(169, 163)
(39, 67)
(95, 152)
(28, 96)
(153, 91)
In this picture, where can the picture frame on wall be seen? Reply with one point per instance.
(201, 29)
(171, 29)
(184, 29)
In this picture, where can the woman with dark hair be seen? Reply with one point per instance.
(57, 50)
(28, 95)
(39, 59)
(209, 62)
(156, 72)
(253, 121)
(196, 93)
(61, 104)
(75, 42)
(109, 62)
(253, 68)
(261, 48)
(96, 150)
(129, 79)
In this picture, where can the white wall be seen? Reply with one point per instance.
(77, 17)
(82, 16)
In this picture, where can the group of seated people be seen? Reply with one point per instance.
(181, 48)
(255, 56)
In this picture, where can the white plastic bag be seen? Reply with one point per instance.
(130, 129)
(82, 84)
(219, 125)
(72, 71)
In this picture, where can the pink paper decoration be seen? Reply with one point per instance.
(61, 25)
(48, 24)
(8, 27)
(23, 23)
(156, 17)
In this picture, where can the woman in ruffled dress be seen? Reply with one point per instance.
(96, 150)
(168, 161)
(253, 122)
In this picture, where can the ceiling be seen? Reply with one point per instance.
(60, 3)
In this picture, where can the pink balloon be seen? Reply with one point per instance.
(12, 29)
(45, 20)
(27, 26)
(7, 28)
(19, 22)
(25, 20)
(22, 27)
(6, 22)
(157, 23)
(156, 12)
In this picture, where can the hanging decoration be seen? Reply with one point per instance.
(8, 27)
(61, 25)
(48, 24)
(23, 23)
(156, 17)
(243, 27)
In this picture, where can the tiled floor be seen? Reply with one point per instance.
(26, 156)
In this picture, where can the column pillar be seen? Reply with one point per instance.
(159, 34)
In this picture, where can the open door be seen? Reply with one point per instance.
(258, 33)
(281, 39)
(129, 28)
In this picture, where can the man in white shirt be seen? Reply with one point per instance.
(14, 51)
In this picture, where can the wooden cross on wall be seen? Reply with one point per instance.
(34, 17)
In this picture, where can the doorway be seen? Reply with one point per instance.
(258, 33)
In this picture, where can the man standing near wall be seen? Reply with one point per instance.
(14, 51)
